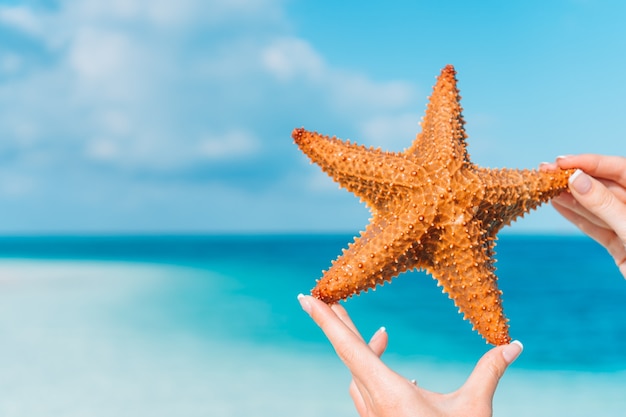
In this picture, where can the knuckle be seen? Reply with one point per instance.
(347, 354)
(605, 201)
(601, 201)
(494, 370)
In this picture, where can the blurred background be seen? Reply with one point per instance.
(137, 115)
(157, 221)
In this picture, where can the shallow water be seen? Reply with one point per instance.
(194, 325)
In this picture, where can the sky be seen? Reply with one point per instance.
(156, 116)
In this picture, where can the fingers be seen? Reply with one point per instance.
(565, 202)
(484, 379)
(378, 342)
(573, 211)
(358, 393)
(362, 362)
(548, 166)
(609, 167)
(597, 203)
(600, 201)
(361, 359)
(358, 398)
(610, 170)
(345, 318)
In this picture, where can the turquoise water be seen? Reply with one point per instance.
(209, 325)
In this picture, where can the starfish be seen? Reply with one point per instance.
(432, 209)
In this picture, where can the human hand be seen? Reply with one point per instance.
(378, 391)
(596, 203)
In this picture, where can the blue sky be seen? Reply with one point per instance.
(175, 116)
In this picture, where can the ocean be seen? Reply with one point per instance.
(210, 326)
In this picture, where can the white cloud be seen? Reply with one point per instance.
(103, 150)
(121, 84)
(350, 93)
(356, 91)
(391, 132)
(318, 181)
(115, 122)
(133, 91)
(160, 12)
(96, 55)
(167, 13)
(288, 58)
(232, 144)
(22, 18)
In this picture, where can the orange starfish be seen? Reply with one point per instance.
(432, 209)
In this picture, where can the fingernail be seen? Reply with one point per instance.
(379, 331)
(305, 303)
(545, 166)
(562, 157)
(512, 351)
(378, 336)
(580, 182)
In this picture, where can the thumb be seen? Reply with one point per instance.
(483, 381)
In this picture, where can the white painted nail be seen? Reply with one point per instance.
(512, 351)
(580, 182)
(304, 303)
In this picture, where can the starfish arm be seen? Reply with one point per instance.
(432, 209)
(463, 266)
(370, 174)
(511, 193)
(442, 139)
(387, 247)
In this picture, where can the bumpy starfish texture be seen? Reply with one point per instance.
(432, 209)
